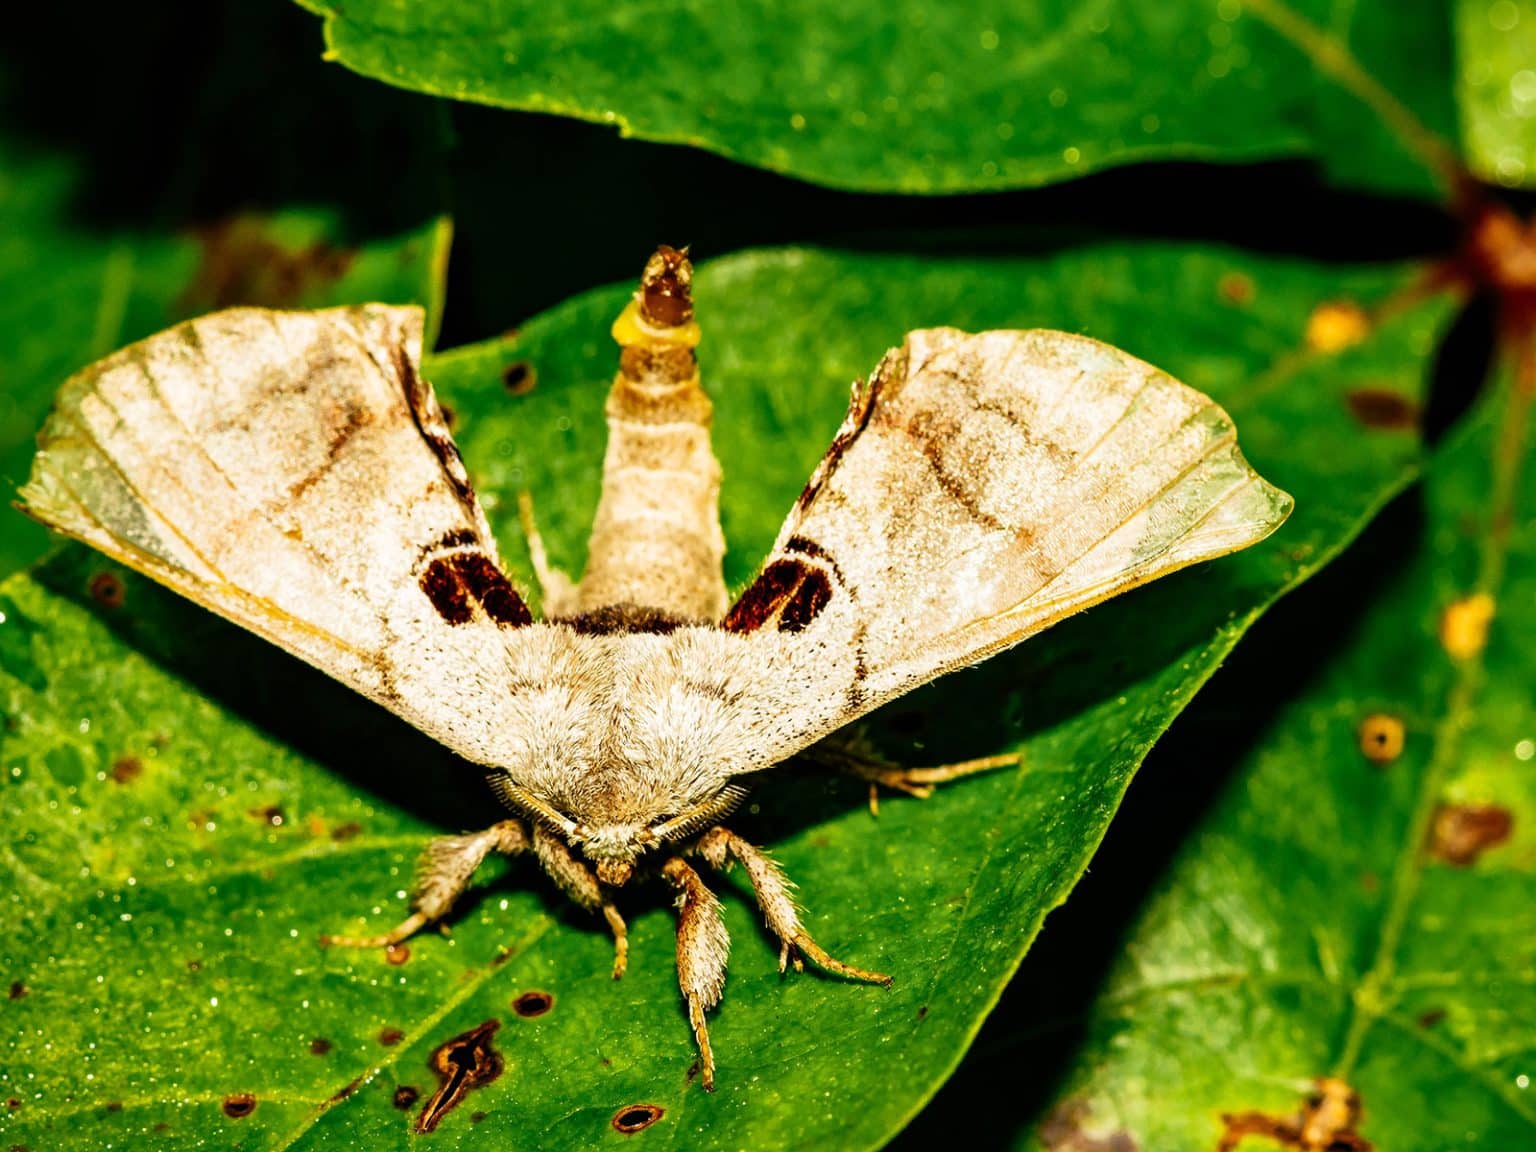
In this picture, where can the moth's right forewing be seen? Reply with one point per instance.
(982, 488)
(290, 471)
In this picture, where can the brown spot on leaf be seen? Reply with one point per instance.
(1431, 1018)
(1380, 736)
(1382, 408)
(194, 965)
(502, 956)
(126, 769)
(1460, 833)
(1062, 1130)
(319, 1046)
(114, 1105)
(345, 1090)
(922, 1012)
(1464, 625)
(397, 954)
(1236, 288)
(389, 1037)
(533, 1003)
(1326, 1122)
(106, 588)
(519, 378)
(13, 1104)
(405, 1097)
(242, 263)
(239, 1105)
(18, 989)
(476, 1117)
(463, 1063)
(346, 831)
(268, 814)
(1336, 325)
(637, 1117)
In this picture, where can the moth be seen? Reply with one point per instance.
(293, 472)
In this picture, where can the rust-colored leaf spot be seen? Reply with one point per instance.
(1336, 325)
(464, 1063)
(533, 1003)
(126, 769)
(345, 831)
(243, 262)
(239, 1105)
(1063, 1130)
(18, 989)
(1326, 1122)
(106, 588)
(272, 814)
(476, 1117)
(389, 1037)
(13, 1104)
(1460, 833)
(345, 1090)
(319, 1046)
(1464, 625)
(1380, 736)
(1382, 408)
(1236, 288)
(502, 956)
(397, 954)
(636, 1117)
(519, 378)
(405, 1097)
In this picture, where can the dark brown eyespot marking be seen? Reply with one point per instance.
(319, 1046)
(126, 769)
(106, 588)
(519, 378)
(533, 1003)
(1460, 833)
(492, 589)
(448, 595)
(239, 1106)
(789, 591)
(462, 1064)
(637, 1117)
(1382, 408)
(405, 1097)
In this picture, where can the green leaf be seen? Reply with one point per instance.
(1364, 917)
(189, 809)
(1496, 88)
(954, 97)
(70, 295)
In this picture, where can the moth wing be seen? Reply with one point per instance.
(982, 488)
(293, 472)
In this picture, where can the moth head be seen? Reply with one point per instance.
(614, 845)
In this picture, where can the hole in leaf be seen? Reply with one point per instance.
(637, 1117)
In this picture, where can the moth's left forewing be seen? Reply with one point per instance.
(982, 488)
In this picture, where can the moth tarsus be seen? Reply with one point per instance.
(293, 472)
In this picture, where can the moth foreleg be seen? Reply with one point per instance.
(557, 593)
(577, 881)
(703, 945)
(442, 873)
(719, 846)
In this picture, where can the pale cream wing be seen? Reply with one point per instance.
(293, 472)
(982, 488)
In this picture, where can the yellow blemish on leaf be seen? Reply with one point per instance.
(1336, 325)
(1381, 738)
(1464, 625)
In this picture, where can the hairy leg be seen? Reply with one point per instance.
(719, 846)
(576, 880)
(703, 945)
(851, 752)
(442, 873)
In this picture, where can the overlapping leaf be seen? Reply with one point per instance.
(1496, 88)
(960, 96)
(190, 809)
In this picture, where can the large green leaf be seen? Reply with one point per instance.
(70, 294)
(1496, 87)
(189, 809)
(1348, 913)
(960, 96)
